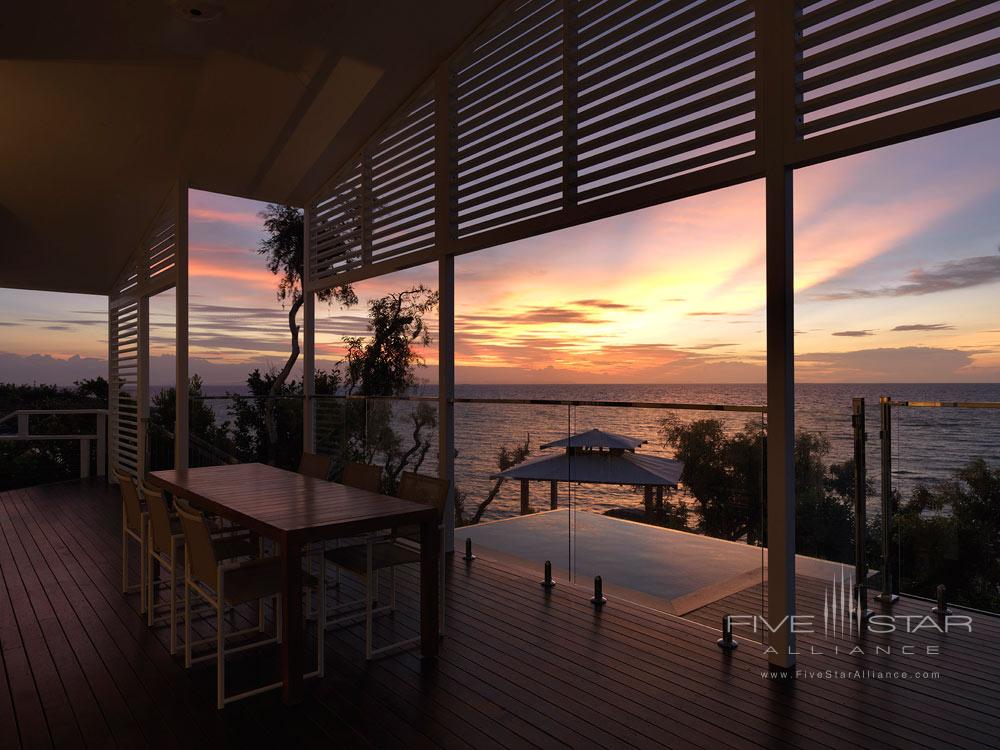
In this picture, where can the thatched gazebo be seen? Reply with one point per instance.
(595, 457)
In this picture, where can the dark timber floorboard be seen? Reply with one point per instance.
(518, 667)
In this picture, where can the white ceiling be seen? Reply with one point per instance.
(106, 103)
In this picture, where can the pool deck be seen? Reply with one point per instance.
(676, 571)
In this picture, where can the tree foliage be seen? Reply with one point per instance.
(949, 533)
(507, 457)
(24, 464)
(384, 362)
(283, 247)
(724, 473)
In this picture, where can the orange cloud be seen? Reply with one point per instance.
(262, 278)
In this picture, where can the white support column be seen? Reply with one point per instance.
(446, 389)
(142, 388)
(776, 112)
(112, 392)
(181, 323)
(102, 444)
(444, 229)
(308, 348)
(780, 418)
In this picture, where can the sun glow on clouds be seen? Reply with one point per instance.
(673, 293)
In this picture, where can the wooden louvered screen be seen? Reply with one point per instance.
(123, 349)
(558, 112)
(663, 89)
(335, 241)
(508, 111)
(860, 61)
(380, 209)
(151, 269)
(398, 216)
(153, 266)
(160, 251)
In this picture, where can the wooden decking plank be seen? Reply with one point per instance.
(111, 560)
(66, 640)
(969, 683)
(408, 738)
(644, 659)
(600, 667)
(32, 604)
(152, 682)
(649, 631)
(517, 668)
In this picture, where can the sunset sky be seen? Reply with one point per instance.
(897, 278)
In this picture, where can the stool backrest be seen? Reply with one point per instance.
(315, 465)
(130, 501)
(201, 560)
(159, 518)
(362, 476)
(424, 489)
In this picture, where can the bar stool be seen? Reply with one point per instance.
(165, 541)
(134, 527)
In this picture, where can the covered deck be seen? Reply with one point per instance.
(518, 667)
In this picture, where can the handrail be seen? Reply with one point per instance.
(199, 443)
(99, 436)
(946, 404)
(51, 411)
(755, 409)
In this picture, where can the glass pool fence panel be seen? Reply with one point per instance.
(944, 467)
(509, 518)
(235, 428)
(680, 514)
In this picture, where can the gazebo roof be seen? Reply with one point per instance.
(599, 468)
(597, 439)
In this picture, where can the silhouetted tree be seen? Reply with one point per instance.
(506, 458)
(283, 247)
(384, 364)
(725, 476)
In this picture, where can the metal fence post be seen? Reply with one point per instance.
(885, 435)
(860, 505)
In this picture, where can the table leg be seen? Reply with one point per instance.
(430, 551)
(292, 658)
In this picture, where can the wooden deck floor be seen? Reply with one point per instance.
(518, 668)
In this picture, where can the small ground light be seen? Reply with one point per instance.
(469, 557)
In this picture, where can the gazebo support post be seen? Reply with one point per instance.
(648, 500)
(525, 498)
(659, 498)
(553, 495)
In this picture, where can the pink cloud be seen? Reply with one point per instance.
(243, 218)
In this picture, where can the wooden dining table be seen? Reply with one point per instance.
(295, 510)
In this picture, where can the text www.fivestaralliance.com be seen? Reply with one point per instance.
(855, 674)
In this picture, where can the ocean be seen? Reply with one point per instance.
(929, 444)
